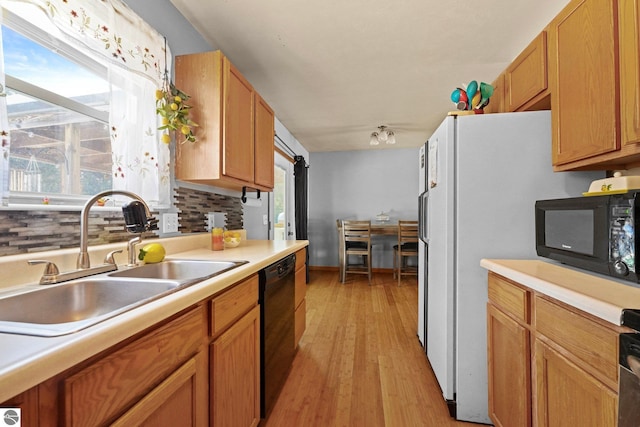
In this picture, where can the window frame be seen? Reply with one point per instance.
(95, 65)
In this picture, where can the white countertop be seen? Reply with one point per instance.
(595, 294)
(26, 361)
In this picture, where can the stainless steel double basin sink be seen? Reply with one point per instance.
(53, 310)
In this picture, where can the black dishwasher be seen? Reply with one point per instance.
(277, 339)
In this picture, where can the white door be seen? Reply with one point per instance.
(283, 200)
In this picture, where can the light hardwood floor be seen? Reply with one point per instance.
(359, 362)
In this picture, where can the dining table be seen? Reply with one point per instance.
(378, 228)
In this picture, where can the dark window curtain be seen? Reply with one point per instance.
(300, 172)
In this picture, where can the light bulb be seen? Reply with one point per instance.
(383, 136)
(392, 137)
(374, 139)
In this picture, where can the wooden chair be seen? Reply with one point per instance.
(356, 239)
(407, 247)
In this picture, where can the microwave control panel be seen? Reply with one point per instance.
(622, 237)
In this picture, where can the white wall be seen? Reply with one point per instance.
(359, 185)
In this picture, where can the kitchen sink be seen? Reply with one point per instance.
(68, 307)
(181, 270)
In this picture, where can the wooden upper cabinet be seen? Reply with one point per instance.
(629, 16)
(237, 113)
(264, 134)
(496, 102)
(526, 76)
(583, 81)
(230, 147)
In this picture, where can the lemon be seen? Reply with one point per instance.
(185, 129)
(177, 99)
(166, 138)
(152, 253)
(174, 106)
(159, 94)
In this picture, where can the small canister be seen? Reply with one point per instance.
(217, 239)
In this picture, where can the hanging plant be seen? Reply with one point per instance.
(172, 107)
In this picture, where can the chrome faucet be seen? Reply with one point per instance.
(83, 257)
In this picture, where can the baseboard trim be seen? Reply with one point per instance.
(335, 268)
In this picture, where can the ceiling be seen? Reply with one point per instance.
(334, 71)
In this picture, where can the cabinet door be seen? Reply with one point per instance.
(105, 389)
(568, 396)
(526, 76)
(28, 404)
(509, 370)
(172, 403)
(629, 15)
(235, 374)
(264, 134)
(238, 156)
(584, 104)
(496, 102)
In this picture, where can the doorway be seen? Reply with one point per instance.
(283, 199)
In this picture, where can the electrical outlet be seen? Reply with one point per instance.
(265, 219)
(210, 221)
(170, 223)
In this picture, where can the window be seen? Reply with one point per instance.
(79, 114)
(58, 112)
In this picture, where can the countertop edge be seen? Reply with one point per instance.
(543, 277)
(51, 356)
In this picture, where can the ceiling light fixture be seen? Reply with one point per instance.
(383, 135)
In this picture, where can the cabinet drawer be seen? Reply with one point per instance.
(587, 340)
(301, 258)
(95, 395)
(233, 304)
(510, 297)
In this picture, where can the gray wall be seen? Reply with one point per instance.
(359, 185)
(162, 15)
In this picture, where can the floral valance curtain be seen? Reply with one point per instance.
(136, 58)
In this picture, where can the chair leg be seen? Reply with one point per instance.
(395, 262)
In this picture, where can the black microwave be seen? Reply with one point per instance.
(596, 233)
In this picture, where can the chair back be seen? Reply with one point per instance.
(356, 233)
(407, 233)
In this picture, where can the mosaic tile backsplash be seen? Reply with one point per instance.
(33, 231)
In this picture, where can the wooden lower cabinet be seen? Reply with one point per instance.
(568, 396)
(300, 293)
(144, 377)
(199, 368)
(509, 370)
(171, 403)
(28, 404)
(549, 364)
(235, 374)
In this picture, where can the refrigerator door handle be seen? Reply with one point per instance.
(423, 200)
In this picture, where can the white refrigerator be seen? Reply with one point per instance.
(482, 175)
